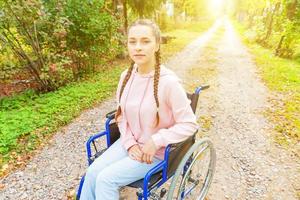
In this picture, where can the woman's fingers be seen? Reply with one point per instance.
(147, 158)
(139, 153)
(149, 150)
(142, 155)
(136, 154)
(151, 158)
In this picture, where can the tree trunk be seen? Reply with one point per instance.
(125, 16)
(279, 45)
(20, 53)
(291, 10)
(114, 6)
(270, 25)
(250, 22)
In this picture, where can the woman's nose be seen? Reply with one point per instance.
(138, 46)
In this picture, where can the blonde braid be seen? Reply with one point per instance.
(155, 84)
(129, 71)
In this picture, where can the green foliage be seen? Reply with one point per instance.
(93, 32)
(273, 24)
(283, 76)
(164, 21)
(31, 113)
(26, 29)
(7, 64)
(193, 8)
(145, 8)
(58, 41)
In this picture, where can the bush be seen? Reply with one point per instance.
(58, 41)
(92, 34)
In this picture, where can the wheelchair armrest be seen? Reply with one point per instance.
(92, 139)
(176, 145)
(111, 115)
(157, 168)
(172, 147)
(175, 152)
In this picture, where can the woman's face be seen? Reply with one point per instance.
(142, 44)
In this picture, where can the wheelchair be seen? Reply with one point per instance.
(181, 163)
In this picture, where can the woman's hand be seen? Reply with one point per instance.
(135, 152)
(148, 150)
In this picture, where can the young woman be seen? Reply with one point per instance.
(153, 111)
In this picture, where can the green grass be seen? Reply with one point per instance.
(282, 76)
(29, 119)
(33, 115)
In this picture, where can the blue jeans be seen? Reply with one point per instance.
(112, 170)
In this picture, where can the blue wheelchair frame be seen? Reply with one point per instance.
(161, 166)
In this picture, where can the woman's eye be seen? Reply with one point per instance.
(146, 41)
(131, 42)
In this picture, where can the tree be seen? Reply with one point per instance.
(22, 26)
(145, 8)
(276, 23)
(58, 41)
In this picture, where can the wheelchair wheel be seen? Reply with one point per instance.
(194, 173)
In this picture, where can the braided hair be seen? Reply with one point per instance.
(155, 84)
(157, 35)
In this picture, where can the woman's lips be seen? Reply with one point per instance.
(139, 55)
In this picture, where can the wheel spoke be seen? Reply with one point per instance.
(193, 175)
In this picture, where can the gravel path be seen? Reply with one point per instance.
(249, 166)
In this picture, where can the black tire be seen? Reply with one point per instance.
(188, 173)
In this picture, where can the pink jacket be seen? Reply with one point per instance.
(136, 124)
